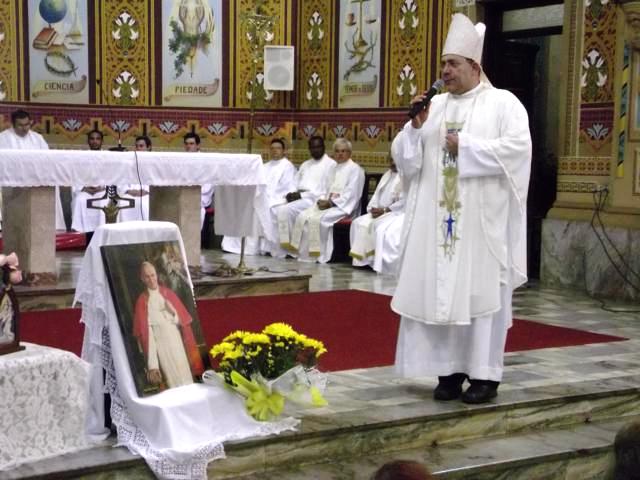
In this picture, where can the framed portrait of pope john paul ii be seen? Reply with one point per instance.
(157, 314)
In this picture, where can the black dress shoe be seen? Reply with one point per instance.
(480, 391)
(449, 387)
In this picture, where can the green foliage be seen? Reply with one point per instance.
(184, 46)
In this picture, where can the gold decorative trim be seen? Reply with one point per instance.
(577, 187)
(574, 70)
(592, 166)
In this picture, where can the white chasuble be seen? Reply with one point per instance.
(166, 349)
(464, 216)
(312, 235)
(362, 234)
(312, 181)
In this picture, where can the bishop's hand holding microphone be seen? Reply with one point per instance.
(421, 102)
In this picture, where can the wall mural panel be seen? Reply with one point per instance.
(8, 52)
(316, 45)
(407, 58)
(58, 51)
(192, 53)
(359, 54)
(598, 61)
(127, 58)
(242, 52)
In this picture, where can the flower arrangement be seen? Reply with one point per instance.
(270, 367)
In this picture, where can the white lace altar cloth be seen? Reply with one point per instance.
(43, 393)
(178, 431)
(240, 181)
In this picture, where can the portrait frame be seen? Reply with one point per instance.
(155, 321)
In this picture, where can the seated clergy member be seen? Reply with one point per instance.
(21, 137)
(386, 260)
(139, 193)
(312, 235)
(192, 144)
(387, 202)
(88, 219)
(312, 181)
(281, 179)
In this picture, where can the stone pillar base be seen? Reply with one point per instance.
(572, 256)
(28, 228)
(180, 205)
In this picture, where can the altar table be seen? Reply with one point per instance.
(28, 211)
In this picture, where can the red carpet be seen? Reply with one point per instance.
(358, 328)
(65, 241)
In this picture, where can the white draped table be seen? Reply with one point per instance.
(44, 397)
(28, 216)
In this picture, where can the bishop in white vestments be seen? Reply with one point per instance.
(21, 137)
(312, 235)
(280, 175)
(468, 158)
(312, 181)
(386, 203)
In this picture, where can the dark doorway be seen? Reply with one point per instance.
(522, 61)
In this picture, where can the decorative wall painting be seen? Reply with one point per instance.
(58, 51)
(192, 53)
(359, 58)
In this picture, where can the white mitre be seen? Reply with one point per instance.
(466, 40)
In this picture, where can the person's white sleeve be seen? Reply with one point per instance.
(478, 157)
(407, 151)
(398, 205)
(286, 184)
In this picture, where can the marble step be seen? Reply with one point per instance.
(423, 422)
(580, 452)
(378, 421)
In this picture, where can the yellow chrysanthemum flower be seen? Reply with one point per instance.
(237, 335)
(233, 354)
(280, 330)
(250, 338)
(221, 348)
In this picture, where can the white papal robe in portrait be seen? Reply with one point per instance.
(32, 141)
(166, 349)
(363, 231)
(465, 229)
(312, 235)
(312, 181)
(281, 179)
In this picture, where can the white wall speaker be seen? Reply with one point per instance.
(278, 67)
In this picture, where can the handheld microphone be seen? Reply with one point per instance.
(416, 108)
